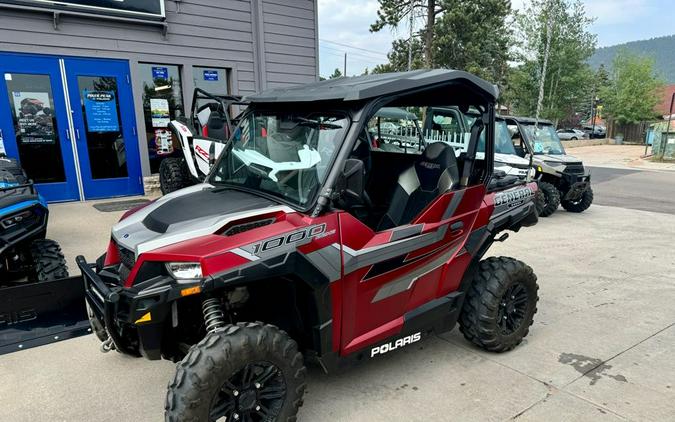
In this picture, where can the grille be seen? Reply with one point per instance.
(127, 261)
(575, 168)
(127, 257)
(240, 228)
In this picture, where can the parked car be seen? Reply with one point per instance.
(571, 134)
(597, 131)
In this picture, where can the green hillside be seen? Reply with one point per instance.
(662, 49)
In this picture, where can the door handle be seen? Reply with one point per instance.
(456, 228)
(77, 133)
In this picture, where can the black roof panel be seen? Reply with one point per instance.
(528, 120)
(369, 86)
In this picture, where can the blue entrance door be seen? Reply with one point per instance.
(34, 123)
(104, 127)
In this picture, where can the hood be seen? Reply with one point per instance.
(188, 213)
(510, 159)
(564, 158)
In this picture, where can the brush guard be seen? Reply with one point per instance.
(36, 314)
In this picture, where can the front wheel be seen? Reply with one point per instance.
(581, 204)
(500, 304)
(48, 261)
(245, 372)
(551, 198)
(173, 175)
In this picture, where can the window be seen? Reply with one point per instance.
(544, 139)
(162, 102)
(280, 154)
(447, 126)
(503, 143)
(395, 130)
(211, 79)
(104, 136)
(37, 135)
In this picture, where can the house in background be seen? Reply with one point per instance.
(89, 86)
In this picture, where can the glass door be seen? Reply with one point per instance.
(105, 127)
(34, 124)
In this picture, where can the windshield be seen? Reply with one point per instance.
(281, 154)
(544, 140)
(503, 144)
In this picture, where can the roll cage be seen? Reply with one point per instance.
(361, 111)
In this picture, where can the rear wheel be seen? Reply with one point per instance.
(573, 138)
(581, 204)
(245, 372)
(173, 175)
(48, 261)
(500, 305)
(551, 199)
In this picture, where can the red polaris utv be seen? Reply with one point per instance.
(308, 241)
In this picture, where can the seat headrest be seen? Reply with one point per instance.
(216, 120)
(436, 159)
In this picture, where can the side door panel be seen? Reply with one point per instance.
(394, 271)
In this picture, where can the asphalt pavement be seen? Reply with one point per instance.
(635, 189)
(601, 347)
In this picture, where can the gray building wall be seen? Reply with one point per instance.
(264, 43)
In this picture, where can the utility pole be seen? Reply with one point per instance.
(542, 79)
(344, 68)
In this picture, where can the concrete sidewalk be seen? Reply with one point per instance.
(601, 347)
(618, 156)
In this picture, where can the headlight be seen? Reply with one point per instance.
(185, 270)
(531, 173)
(15, 219)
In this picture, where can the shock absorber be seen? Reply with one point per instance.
(214, 318)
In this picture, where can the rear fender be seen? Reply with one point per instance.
(204, 152)
(185, 137)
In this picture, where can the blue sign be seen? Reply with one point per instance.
(101, 110)
(160, 72)
(210, 75)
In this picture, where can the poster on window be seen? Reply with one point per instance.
(35, 123)
(101, 110)
(163, 142)
(159, 109)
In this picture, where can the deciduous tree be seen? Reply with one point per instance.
(634, 89)
(568, 79)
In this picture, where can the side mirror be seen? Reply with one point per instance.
(350, 186)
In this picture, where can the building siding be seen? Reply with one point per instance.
(290, 40)
(210, 30)
(263, 42)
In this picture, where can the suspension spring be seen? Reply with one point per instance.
(214, 318)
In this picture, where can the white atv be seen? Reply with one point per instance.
(452, 126)
(202, 137)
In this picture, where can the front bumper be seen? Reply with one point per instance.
(120, 311)
(573, 186)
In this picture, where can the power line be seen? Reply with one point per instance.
(351, 46)
(330, 50)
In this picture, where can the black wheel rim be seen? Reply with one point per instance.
(254, 393)
(512, 308)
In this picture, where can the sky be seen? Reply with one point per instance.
(344, 28)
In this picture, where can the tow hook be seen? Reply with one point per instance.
(107, 345)
(502, 238)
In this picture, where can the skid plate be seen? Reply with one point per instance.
(40, 313)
